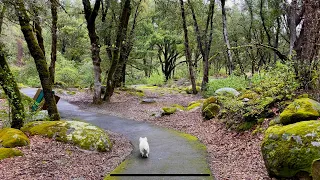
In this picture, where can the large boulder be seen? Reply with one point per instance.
(9, 152)
(288, 151)
(227, 91)
(300, 110)
(10, 138)
(81, 134)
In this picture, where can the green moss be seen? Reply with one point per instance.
(118, 170)
(51, 129)
(208, 101)
(246, 125)
(300, 110)
(288, 150)
(83, 135)
(249, 94)
(189, 89)
(197, 101)
(178, 106)
(10, 137)
(211, 111)
(192, 106)
(9, 152)
(169, 110)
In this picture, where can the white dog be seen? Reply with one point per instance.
(144, 147)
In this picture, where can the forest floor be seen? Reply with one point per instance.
(232, 155)
(45, 158)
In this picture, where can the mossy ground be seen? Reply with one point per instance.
(288, 150)
(9, 152)
(10, 137)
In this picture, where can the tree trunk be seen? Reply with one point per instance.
(10, 86)
(307, 45)
(54, 15)
(11, 89)
(122, 31)
(292, 25)
(276, 40)
(125, 51)
(187, 49)
(204, 48)
(91, 16)
(39, 58)
(225, 36)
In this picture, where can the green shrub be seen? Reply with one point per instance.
(156, 79)
(86, 74)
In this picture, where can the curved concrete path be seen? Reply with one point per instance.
(171, 152)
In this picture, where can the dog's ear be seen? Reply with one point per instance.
(146, 138)
(140, 138)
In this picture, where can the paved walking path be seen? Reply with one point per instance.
(171, 152)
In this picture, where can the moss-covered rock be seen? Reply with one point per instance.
(208, 101)
(178, 106)
(83, 135)
(9, 152)
(249, 94)
(290, 150)
(300, 110)
(197, 101)
(189, 89)
(193, 106)
(211, 111)
(10, 138)
(169, 110)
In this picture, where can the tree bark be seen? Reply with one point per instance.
(307, 46)
(54, 15)
(122, 31)
(11, 89)
(39, 58)
(10, 86)
(187, 48)
(225, 36)
(91, 15)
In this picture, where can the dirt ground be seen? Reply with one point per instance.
(49, 159)
(232, 155)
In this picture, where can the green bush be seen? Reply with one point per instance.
(86, 74)
(156, 79)
(28, 75)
